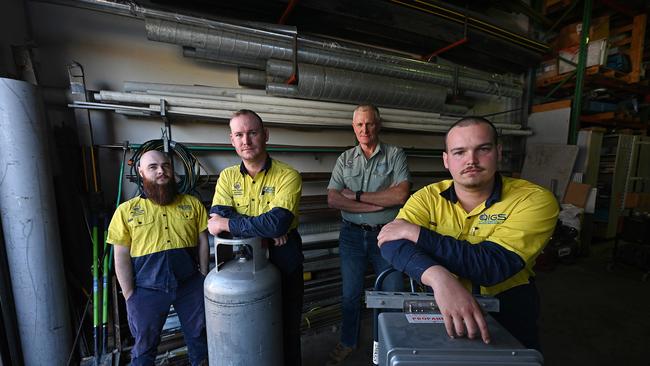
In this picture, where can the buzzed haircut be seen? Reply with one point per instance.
(248, 112)
(372, 108)
(474, 120)
(139, 158)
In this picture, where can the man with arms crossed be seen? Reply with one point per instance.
(161, 259)
(260, 198)
(479, 231)
(369, 183)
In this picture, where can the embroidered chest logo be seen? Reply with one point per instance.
(137, 211)
(185, 207)
(349, 163)
(491, 219)
(268, 190)
(237, 190)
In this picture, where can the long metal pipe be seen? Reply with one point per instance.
(506, 129)
(226, 114)
(141, 86)
(220, 42)
(200, 102)
(256, 96)
(30, 226)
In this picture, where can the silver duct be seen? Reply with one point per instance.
(203, 54)
(251, 78)
(220, 43)
(255, 78)
(30, 227)
(325, 83)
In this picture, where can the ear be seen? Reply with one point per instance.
(140, 171)
(232, 142)
(266, 134)
(444, 159)
(499, 152)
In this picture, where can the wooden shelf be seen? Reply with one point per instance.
(612, 120)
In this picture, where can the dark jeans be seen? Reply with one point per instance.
(148, 309)
(518, 313)
(356, 248)
(292, 292)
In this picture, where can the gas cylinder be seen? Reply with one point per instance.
(243, 308)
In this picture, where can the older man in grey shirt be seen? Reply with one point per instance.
(369, 184)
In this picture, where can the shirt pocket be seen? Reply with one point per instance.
(185, 215)
(242, 205)
(381, 178)
(352, 178)
(266, 200)
(141, 228)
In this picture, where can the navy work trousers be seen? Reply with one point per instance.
(148, 309)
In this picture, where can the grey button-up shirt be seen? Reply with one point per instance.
(386, 167)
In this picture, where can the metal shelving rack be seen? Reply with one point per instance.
(618, 174)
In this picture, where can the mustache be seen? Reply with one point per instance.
(472, 168)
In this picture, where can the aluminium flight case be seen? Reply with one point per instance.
(402, 343)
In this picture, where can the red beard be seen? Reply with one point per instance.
(161, 194)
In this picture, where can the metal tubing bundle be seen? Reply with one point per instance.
(220, 103)
(222, 43)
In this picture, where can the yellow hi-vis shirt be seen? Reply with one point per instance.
(148, 228)
(277, 185)
(521, 220)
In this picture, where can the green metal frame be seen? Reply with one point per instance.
(576, 107)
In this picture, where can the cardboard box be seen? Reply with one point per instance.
(570, 35)
(596, 55)
(637, 200)
(577, 194)
(547, 69)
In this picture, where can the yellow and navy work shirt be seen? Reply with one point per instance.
(265, 205)
(385, 168)
(162, 239)
(519, 216)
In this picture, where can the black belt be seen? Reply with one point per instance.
(365, 227)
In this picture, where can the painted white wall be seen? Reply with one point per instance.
(114, 49)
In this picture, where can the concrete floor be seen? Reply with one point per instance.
(590, 316)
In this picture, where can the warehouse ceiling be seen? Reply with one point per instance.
(419, 28)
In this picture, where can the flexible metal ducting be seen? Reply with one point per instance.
(291, 91)
(325, 83)
(251, 78)
(30, 226)
(222, 43)
(255, 78)
(202, 54)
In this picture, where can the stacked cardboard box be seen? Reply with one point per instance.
(567, 44)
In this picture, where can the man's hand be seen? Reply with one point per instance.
(218, 224)
(398, 229)
(460, 311)
(349, 194)
(280, 241)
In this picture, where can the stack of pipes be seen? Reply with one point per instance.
(214, 102)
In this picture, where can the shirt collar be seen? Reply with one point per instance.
(358, 151)
(267, 166)
(495, 196)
